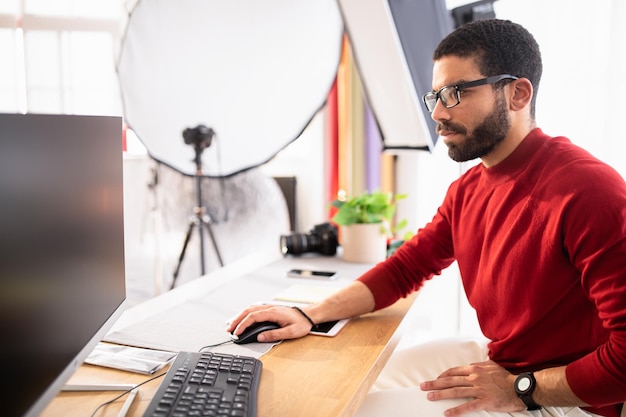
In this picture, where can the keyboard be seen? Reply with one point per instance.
(208, 384)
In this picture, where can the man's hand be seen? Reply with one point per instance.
(353, 300)
(293, 324)
(485, 385)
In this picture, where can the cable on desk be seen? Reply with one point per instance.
(215, 345)
(126, 393)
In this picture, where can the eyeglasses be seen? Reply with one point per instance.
(450, 95)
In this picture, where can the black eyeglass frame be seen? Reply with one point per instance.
(433, 96)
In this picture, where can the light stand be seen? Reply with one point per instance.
(201, 138)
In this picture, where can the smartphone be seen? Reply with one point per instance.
(312, 274)
(330, 328)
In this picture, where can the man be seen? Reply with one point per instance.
(538, 230)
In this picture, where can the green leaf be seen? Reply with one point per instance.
(374, 207)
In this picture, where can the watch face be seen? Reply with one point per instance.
(523, 384)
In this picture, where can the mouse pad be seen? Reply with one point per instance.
(185, 327)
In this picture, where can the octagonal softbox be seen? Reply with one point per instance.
(254, 71)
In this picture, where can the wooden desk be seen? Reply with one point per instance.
(308, 377)
(321, 376)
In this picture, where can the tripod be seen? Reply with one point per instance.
(200, 219)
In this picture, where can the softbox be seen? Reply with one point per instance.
(255, 71)
(393, 42)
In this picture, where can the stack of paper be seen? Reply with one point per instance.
(128, 358)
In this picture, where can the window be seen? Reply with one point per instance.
(8, 72)
(60, 56)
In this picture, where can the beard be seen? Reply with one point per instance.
(485, 137)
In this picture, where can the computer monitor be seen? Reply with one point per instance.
(62, 281)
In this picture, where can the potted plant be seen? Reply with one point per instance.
(366, 223)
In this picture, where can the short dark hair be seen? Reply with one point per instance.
(499, 47)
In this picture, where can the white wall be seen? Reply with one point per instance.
(584, 55)
(304, 159)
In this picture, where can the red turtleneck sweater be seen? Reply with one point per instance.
(540, 240)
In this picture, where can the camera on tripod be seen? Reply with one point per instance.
(323, 238)
(200, 136)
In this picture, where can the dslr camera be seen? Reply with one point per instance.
(323, 238)
(200, 136)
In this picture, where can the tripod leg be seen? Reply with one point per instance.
(182, 252)
(217, 251)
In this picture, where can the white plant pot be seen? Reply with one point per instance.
(364, 243)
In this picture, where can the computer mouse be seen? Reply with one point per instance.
(249, 335)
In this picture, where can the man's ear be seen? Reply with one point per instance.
(521, 94)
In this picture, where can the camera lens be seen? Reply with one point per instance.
(295, 244)
(322, 239)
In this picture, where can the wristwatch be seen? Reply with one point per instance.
(525, 385)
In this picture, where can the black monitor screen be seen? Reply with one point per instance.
(61, 248)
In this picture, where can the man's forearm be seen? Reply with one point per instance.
(553, 389)
(351, 301)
